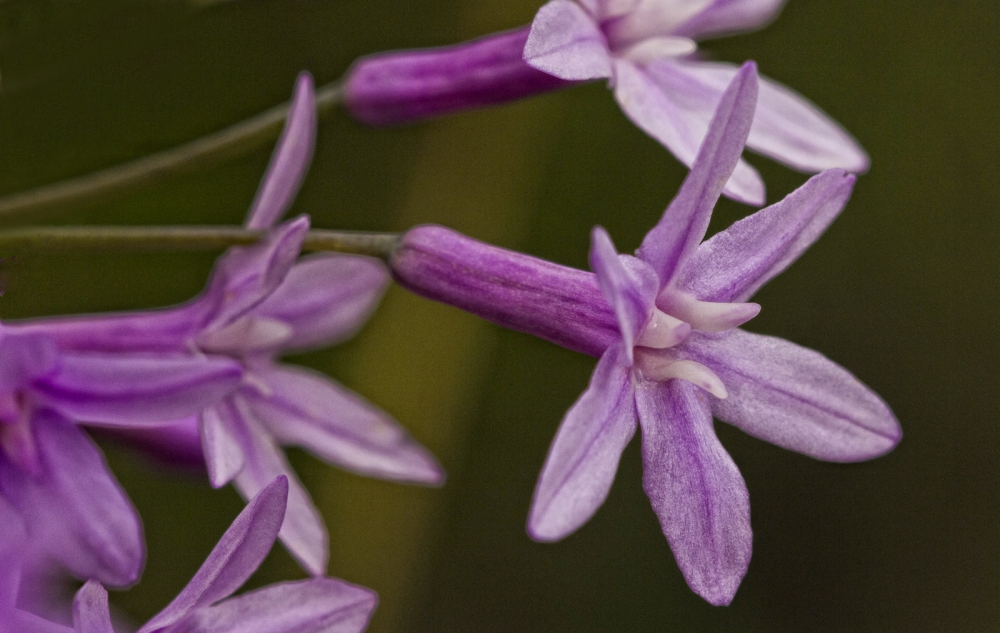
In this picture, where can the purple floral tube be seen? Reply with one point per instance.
(403, 86)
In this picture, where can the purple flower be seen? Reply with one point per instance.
(671, 355)
(52, 476)
(260, 303)
(646, 48)
(205, 605)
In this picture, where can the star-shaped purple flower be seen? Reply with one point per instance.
(205, 605)
(664, 324)
(260, 303)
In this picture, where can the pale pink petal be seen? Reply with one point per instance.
(308, 409)
(220, 444)
(583, 459)
(235, 557)
(796, 398)
(695, 488)
(290, 160)
(676, 236)
(722, 17)
(565, 41)
(671, 117)
(736, 262)
(90, 609)
(326, 298)
(319, 605)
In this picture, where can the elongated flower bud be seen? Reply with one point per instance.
(403, 86)
(559, 304)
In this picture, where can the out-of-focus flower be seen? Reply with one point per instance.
(318, 605)
(646, 48)
(671, 355)
(260, 303)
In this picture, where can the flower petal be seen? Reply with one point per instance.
(290, 160)
(649, 19)
(303, 531)
(235, 558)
(796, 398)
(90, 609)
(326, 298)
(787, 127)
(736, 262)
(583, 459)
(671, 110)
(74, 510)
(308, 409)
(676, 236)
(129, 390)
(24, 357)
(695, 488)
(223, 451)
(723, 17)
(630, 291)
(11, 558)
(565, 41)
(319, 605)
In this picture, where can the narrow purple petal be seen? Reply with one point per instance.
(326, 298)
(736, 262)
(135, 389)
(290, 160)
(24, 622)
(630, 291)
(74, 510)
(683, 225)
(308, 409)
(786, 127)
(674, 111)
(235, 558)
(303, 531)
(245, 275)
(796, 398)
(223, 452)
(565, 41)
(695, 488)
(24, 357)
(90, 609)
(723, 17)
(319, 605)
(583, 459)
(11, 558)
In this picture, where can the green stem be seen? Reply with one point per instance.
(146, 238)
(231, 142)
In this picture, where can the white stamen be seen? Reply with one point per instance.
(660, 369)
(706, 316)
(246, 334)
(663, 331)
(659, 47)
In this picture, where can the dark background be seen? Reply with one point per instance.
(901, 290)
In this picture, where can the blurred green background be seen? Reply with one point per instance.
(901, 290)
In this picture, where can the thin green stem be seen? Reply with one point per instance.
(231, 142)
(153, 238)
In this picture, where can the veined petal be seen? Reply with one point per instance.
(630, 291)
(566, 42)
(74, 510)
(24, 357)
(736, 262)
(222, 448)
(90, 609)
(235, 558)
(290, 160)
(695, 488)
(319, 605)
(245, 275)
(786, 127)
(303, 531)
(135, 389)
(796, 398)
(583, 459)
(309, 409)
(723, 17)
(649, 19)
(669, 112)
(326, 298)
(672, 241)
